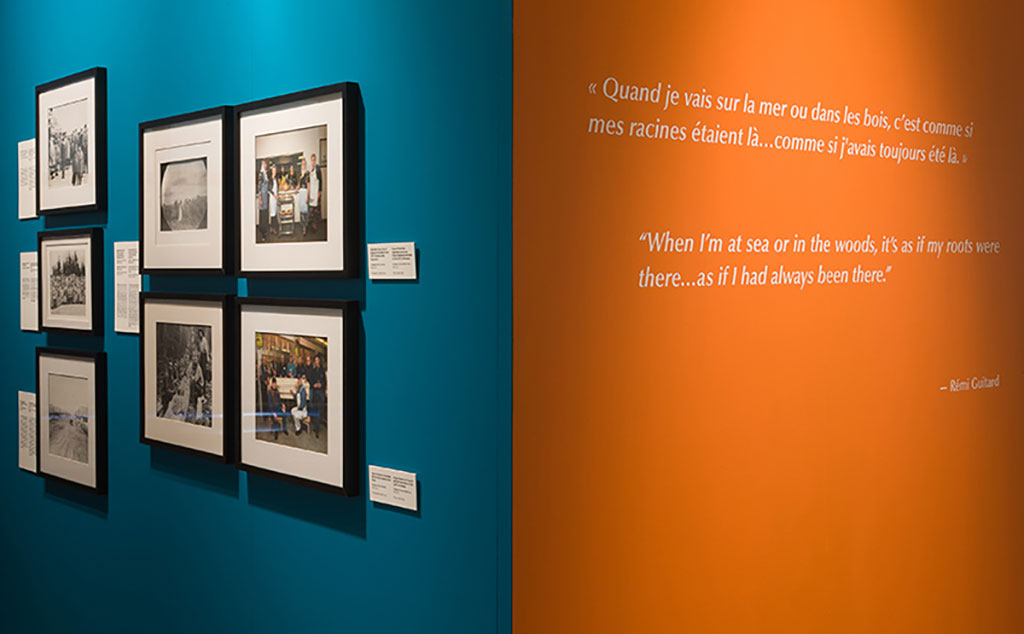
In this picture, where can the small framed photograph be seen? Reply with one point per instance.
(186, 193)
(71, 143)
(186, 393)
(71, 419)
(296, 215)
(298, 391)
(71, 280)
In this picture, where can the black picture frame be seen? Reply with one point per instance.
(95, 235)
(350, 177)
(229, 365)
(228, 184)
(99, 359)
(99, 170)
(351, 458)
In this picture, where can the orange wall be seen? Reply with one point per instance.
(766, 459)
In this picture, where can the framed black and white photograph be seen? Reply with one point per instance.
(71, 143)
(187, 364)
(298, 383)
(186, 187)
(71, 280)
(71, 418)
(296, 216)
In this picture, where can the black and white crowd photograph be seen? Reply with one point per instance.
(68, 143)
(68, 417)
(184, 373)
(291, 187)
(183, 205)
(68, 268)
(291, 390)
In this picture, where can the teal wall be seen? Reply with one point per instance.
(181, 544)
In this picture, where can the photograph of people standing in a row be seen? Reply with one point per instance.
(291, 200)
(69, 144)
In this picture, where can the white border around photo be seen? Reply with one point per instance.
(49, 320)
(84, 474)
(323, 256)
(59, 198)
(329, 324)
(198, 249)
(195, 313)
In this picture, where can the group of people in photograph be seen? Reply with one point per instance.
(69, 150)
(309, 394)
(184, 383)
(67, 290)
(67, 282)
(278, 182)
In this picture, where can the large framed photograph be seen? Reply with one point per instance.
(296, 215)
(71, 280)
(186, 393)
(71, 417)
(299, 391)
(186, 193)
(71, 143)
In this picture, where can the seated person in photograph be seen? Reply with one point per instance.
(263, 201)
(300, 413)
(315, 183)
(275, 409)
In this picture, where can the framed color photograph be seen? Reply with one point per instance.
(297, 216)
(187, 362)
(298, 391)
(71, 418)
(71, 143)
(71, 280)
(186, 187)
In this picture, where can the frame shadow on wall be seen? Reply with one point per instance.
(211, 475)
(75, 220)
(215, 284)
(77, 498)
(87, 342)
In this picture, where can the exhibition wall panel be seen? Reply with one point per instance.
(183, 544)
(767, 317)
